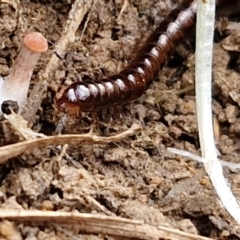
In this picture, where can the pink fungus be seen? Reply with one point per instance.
(16, 84)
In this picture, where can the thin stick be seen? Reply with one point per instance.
(100, 224)
(16, 149)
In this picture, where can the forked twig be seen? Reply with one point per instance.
(16, 149)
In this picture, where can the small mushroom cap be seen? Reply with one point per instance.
(36, 42)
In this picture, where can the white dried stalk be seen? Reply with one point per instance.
(205, 29)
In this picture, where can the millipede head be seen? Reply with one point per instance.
(64, 105)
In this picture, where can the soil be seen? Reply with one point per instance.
(135, 178)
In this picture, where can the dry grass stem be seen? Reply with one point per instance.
(99, 224)
(16, 149)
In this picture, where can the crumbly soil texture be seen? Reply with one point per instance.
(137, 177)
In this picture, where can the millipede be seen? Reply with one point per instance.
(130, 83)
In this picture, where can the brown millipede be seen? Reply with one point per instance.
(131, 82)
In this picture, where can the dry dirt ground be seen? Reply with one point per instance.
(135, 177)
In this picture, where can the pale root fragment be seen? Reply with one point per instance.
(16, 84)
(232, 166)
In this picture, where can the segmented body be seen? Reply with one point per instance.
(131, 82)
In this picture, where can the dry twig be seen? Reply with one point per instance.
(100, 224)
(16, 149)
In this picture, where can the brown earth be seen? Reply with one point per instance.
(135, 178)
